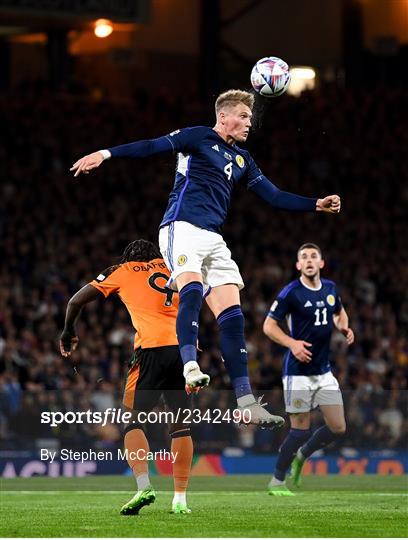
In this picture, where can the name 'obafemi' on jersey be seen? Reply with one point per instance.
(309, 314)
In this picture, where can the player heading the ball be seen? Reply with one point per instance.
(209, 165)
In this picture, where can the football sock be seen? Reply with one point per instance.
(293, 441)
(135, 439)
(143, 481)
(180, 498)
(246, 400)
(233, 349)
(191, 299)
(182, 448)
(320, 438)
(275, 482)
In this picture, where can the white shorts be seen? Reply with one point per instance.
(187, 248)
(304, 393)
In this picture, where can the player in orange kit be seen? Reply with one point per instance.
(155, 368)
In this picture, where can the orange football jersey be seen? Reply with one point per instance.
(152, 307)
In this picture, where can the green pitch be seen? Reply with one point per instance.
(234, 506)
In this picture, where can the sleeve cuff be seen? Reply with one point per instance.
(105, 153)
(97, 286)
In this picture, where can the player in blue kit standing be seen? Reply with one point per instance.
(209, 166)
(312, 308)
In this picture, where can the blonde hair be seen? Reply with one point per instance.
(230, 98)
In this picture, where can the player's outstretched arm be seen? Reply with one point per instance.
(69, 340)
(138, 149)
(341, 322)
(290, 201)
(299, 348)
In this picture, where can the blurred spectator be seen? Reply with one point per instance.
(58, 233)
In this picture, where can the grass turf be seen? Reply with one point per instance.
(230, 506)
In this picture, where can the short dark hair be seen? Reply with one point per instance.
(142, 251)
(309, 245)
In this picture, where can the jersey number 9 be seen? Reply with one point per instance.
(164, 290)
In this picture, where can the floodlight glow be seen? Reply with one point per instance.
(103, 28)
(302, 78)
(303, 73)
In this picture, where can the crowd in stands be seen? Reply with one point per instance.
(58, 233)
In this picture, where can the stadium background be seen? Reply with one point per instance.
(64, 92)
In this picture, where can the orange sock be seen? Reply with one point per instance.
(135, 440)
(182, 448)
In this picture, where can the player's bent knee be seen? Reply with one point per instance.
(187, 277)
(179, 430)
(223, 297)
(338, 429)
(300, 420)
(132, 426)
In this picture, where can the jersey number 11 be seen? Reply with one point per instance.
(323, 313)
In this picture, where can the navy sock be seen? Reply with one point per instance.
(289, 447)
(320, 438)
(191, 299)
(233, 348)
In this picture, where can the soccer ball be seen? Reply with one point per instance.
(270, 76)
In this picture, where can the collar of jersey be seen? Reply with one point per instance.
(234, 146)
(311, 288)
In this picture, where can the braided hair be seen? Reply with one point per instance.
(141, 250)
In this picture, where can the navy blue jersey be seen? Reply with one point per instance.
(309, 314)
(207, 170)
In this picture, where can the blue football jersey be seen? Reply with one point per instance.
(309, 314)
(207, 170)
